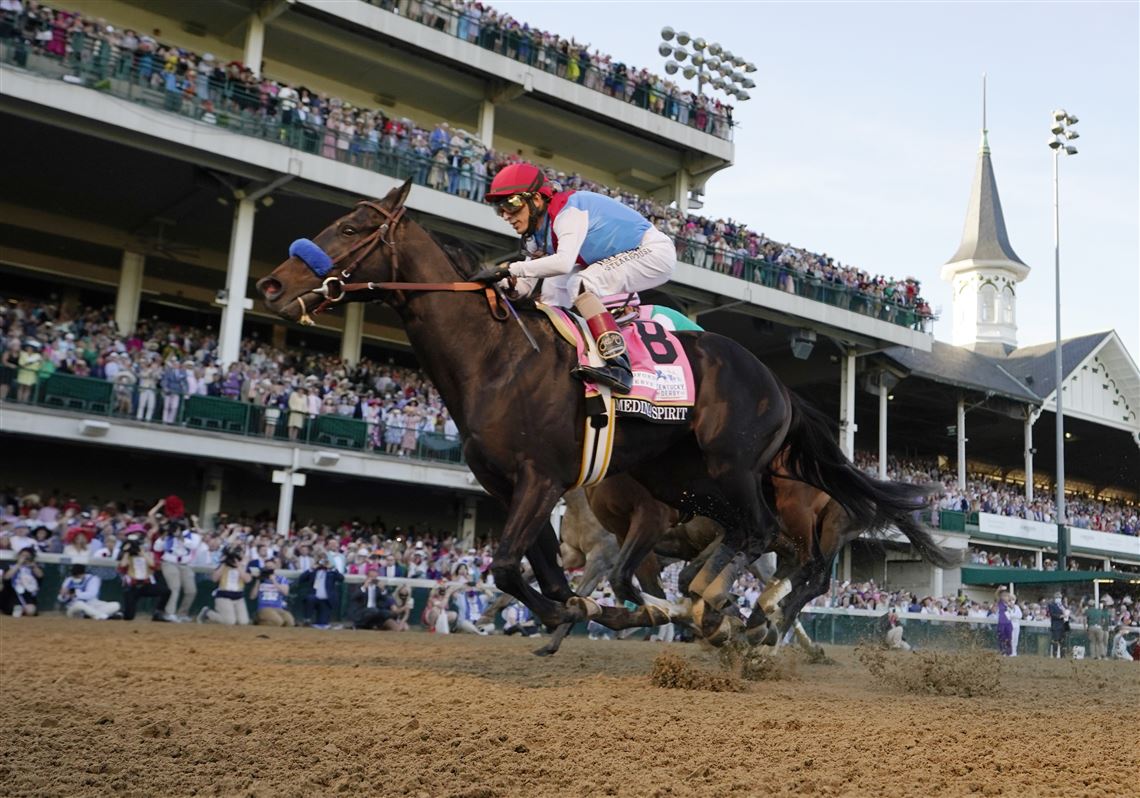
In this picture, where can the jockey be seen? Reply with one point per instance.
(581, 247)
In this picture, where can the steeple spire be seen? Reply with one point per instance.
(985, 268)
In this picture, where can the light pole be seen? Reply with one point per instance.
(1062, 133)
(710, 64)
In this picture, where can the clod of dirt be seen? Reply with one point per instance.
(670, 671)
(758, 663)
(966, 674)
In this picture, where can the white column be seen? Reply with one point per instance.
(467, 517)
(254, 44)
(285, 505)
(130, 292)
(487, 122)
(237, 280)
(882, 428)
(847, 424)
(211, 503)
(353, 332)
(961, 443)
(288, 479)
(1029, 419)
(681, 185)
(1040, 561)
(936, 582)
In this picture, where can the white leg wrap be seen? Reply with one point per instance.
(773, 594)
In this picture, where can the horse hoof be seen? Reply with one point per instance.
(545, 651)
(585, 605)
(728, 629)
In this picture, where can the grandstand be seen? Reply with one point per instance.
(166, 162)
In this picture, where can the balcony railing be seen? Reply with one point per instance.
(235, 106)
(100, 397)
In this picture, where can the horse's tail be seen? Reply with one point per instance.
(812, 455)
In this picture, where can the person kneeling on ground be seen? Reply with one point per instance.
(136, 569)
(892, 630)
(402, 606)
(22, 580)
(470, 600)
(518, 619)
(372, 606)
(229, 598)
(79, 596)
(272, 592)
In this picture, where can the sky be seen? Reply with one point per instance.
(861, 137)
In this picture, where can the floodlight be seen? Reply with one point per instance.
(697, 59)
(743, 95)
(1072, 134)
(714, 49)
(680, 53)
(725, 69)
(699, 43)
(664, 49)
(689, 72)
(1054, 143)
(1070, 149)
(671, 67)
(738, 77)
(683, 37)
(713, 62)
(667, 33)
(1057, 129)
(718, 83)
(1072, 119)
(1059, 114)
(738, 61)
(726, 55)
(748, 83)
(749, 67)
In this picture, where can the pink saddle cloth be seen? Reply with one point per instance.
(663, 387)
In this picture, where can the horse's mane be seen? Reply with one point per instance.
(467, 259)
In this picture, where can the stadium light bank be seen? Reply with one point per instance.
(1062, 134)
(710, 64)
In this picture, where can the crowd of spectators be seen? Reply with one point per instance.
(445, 158)
(985, 494)
(157, 366)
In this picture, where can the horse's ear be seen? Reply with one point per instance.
(400, 195)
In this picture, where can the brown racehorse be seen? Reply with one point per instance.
(521, 415)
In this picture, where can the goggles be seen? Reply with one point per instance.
(512, 204)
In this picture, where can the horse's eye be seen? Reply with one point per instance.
(347, 230)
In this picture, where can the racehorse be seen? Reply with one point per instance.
(521, 415)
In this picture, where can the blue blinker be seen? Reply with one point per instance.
(314, 257)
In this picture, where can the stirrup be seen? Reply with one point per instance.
(616, 374)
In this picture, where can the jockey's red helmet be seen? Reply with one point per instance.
(522, 180)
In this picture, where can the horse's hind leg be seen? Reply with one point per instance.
(650, 519)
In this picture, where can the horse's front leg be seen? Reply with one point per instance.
(528, 515)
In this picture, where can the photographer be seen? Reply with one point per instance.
(321, 588)
(272, 592)
(79, 595)
(176, 546)
(22, 583)
(229, 597)
(402, 606)
(137, 573)
(371, 606)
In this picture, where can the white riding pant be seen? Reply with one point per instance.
(650, 265)
(99, 610)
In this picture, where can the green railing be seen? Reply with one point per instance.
(951, 521)
(218, 414)
(527, 47)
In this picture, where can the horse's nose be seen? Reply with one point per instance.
(270, 287)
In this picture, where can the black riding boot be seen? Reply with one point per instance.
(616, 374)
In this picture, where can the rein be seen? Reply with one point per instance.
(336, 287)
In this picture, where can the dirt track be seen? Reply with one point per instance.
(153, 709)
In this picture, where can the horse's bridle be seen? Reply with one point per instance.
(336, 287)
